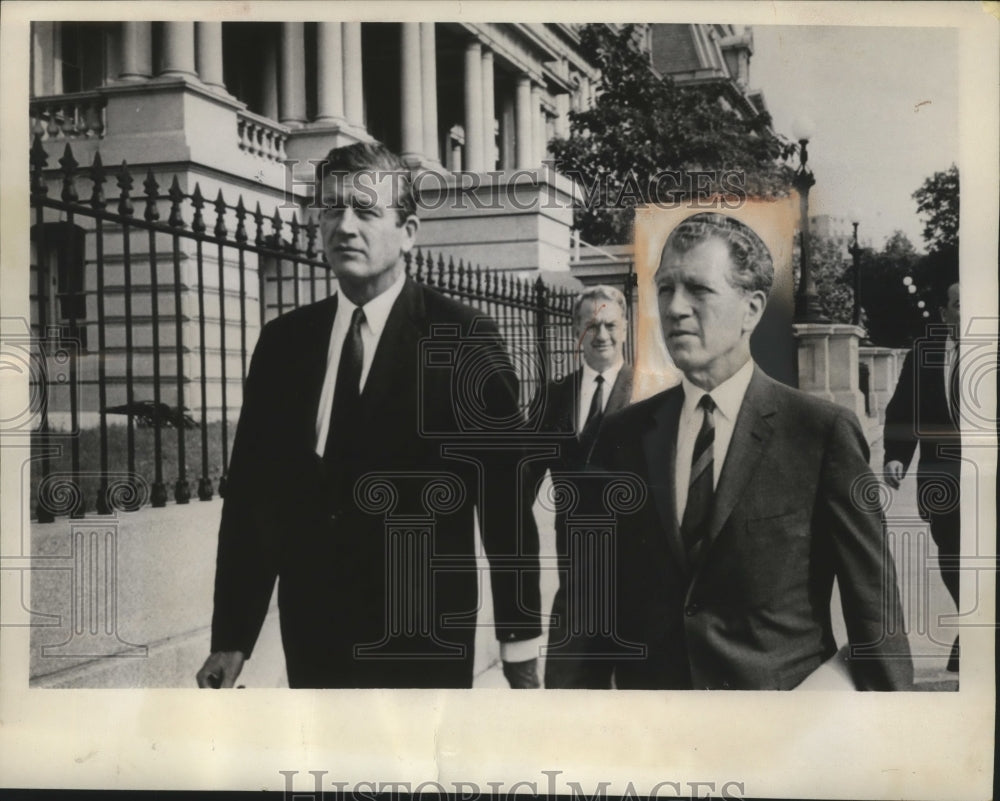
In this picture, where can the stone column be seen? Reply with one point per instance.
(329, 72)
(537, 126)
(489, 112)
(584, 92)
(269, 79)
(473, 161)
(428, 75)
(411, 92)
(137, 51)
(292, 74)
(353, 94)
(562, 120)
(208, 40)
(522, 112)
(178, 49)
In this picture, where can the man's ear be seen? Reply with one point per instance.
(410, 226)
(756, 301)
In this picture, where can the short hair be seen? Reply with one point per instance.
(596, 293)
(371, 157)
(753, 268)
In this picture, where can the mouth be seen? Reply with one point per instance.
(348, 251)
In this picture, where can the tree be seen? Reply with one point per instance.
(834, 278)
(647, 140)
(937, 199)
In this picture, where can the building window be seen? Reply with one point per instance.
(83, 50)
(59, 297)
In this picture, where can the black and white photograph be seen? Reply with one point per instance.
(363, 363)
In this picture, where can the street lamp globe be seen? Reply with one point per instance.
(911, 289)
(907, 281)
(927, 314)
(803, 129)
(854, 215)
(920, 304)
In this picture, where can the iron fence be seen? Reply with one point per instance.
(147, 305)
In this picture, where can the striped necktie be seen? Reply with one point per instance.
(701, 486)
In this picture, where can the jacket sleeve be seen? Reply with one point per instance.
(900, 436)
(244, 571)
(866, 574)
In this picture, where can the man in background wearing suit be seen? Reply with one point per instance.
(724, 568)
(345, 425)
(572, 411)
(925, 409)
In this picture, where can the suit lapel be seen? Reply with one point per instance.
(395, 357)
(660, 446)
(314, 352)
(751, 434)
(621, 392)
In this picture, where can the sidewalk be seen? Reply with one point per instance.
(157, 616)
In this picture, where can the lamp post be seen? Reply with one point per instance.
(807, 307)
(855, 251)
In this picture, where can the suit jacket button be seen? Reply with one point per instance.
(691, 609)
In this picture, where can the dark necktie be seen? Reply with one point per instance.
(347, 391)
(953, 404)
(701, 484)
(596, 403)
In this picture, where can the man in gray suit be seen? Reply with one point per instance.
(752, 502)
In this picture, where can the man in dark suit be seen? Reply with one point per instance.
(359, 465)
(747, 504)
(572, 410)
(925, 410)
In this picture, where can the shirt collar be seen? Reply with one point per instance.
(728, 396)
(610, 375)
(377, 309)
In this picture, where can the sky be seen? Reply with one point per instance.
(884, 109)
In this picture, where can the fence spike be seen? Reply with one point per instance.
(311, 238)
(419, 272)
(198, 203)
(152, 188)
(38, 159)
(98, 177)
(407, 262)
(451, 271)
(241, 216)
(69, 165)
(220, 217)
(175, 220)
(124, 182)
(258, 218)
(295, 227)
(462, 272)
(276, 225)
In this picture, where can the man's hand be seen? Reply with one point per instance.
(893, 473)
(522, 675)
(221, 669)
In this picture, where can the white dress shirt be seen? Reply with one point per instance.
(588, 386)
(728, 397)
(376, 314)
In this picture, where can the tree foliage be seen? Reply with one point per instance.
(937, 201)
(893, 318)
(645, 139)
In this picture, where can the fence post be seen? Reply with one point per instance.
(541, 322)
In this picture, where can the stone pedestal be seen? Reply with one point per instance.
(884, 366)
(828, 363)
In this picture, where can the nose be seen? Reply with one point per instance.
(347, 221)
(676, 304)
